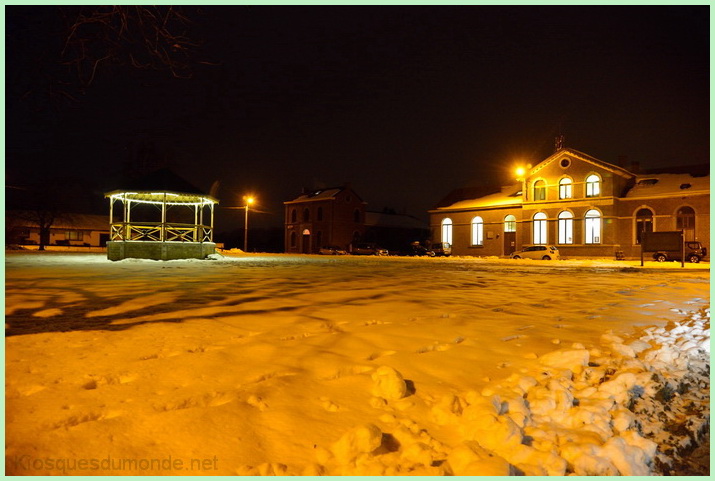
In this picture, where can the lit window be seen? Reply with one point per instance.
(592, 226)
(644, 223)
(477, 231)
(565, 227)
(539, 190)
(593, 186)
(447, 230)
(685, 221)
(510, 223)
(565, 188)
(540, 228)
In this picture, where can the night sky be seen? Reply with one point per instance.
(405, 103)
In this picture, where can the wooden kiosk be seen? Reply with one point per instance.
(160, 217)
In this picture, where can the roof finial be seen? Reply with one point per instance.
(559, 143)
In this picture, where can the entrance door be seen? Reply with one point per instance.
(306, 241)
(509, 242)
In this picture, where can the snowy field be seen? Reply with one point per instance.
(278, 364)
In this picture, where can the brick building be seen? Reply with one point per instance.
(333, 216)
(582, 205)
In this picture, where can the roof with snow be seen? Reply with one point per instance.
(152, 186)
(329, 193)
(402, 221)
(509, 195)
(62, 221)
(668, 184)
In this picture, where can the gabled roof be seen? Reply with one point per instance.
(329, 193)
(509, 195)
(558, 155)
(385, 219)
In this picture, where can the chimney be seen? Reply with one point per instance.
(559, 143)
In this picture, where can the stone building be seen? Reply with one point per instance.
(332, 216)
(584, 206)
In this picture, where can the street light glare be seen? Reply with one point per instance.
(249, 200)
(520, 171)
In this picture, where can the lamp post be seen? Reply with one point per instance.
(249, 200)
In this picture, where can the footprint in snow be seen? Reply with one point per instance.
(257, 402)
(328, 405)
(378, 355)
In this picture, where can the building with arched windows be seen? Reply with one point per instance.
(584, 206)
(323, 217)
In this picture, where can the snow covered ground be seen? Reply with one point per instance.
(278, 364)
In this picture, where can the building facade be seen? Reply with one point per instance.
(334, 216)
(86, 230)
(582, 205)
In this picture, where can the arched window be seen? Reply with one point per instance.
(477, 231)
(593, 186)
(293, 215)
(510, 223)
(447, 230)
(306, 215)
(565, 191)
(540, 228)
(644, 223)
(320, 213)
(592, 227)
(539, 190)
(685, 221)
(565, 227)
(356, 216)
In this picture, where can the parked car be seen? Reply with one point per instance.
(417, 249)
(332, 251)
(694, 252)
(368, 249)
(537, 252)
(442, 249)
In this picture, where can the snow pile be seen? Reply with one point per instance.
(629, 407)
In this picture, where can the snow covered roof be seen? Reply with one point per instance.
(383, 219)
(63, 221)
(321, 194)
(668, 184)
(509, 195)
(151, 187)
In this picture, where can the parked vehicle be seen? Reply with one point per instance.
(442, 249)
(332, 251)
(417, 249)
(694, 252)
(368, 249)
(537, 252)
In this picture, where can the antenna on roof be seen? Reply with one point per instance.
(559, 143)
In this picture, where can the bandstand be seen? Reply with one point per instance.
(161, 217)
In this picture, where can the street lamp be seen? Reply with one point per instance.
(249, 200)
